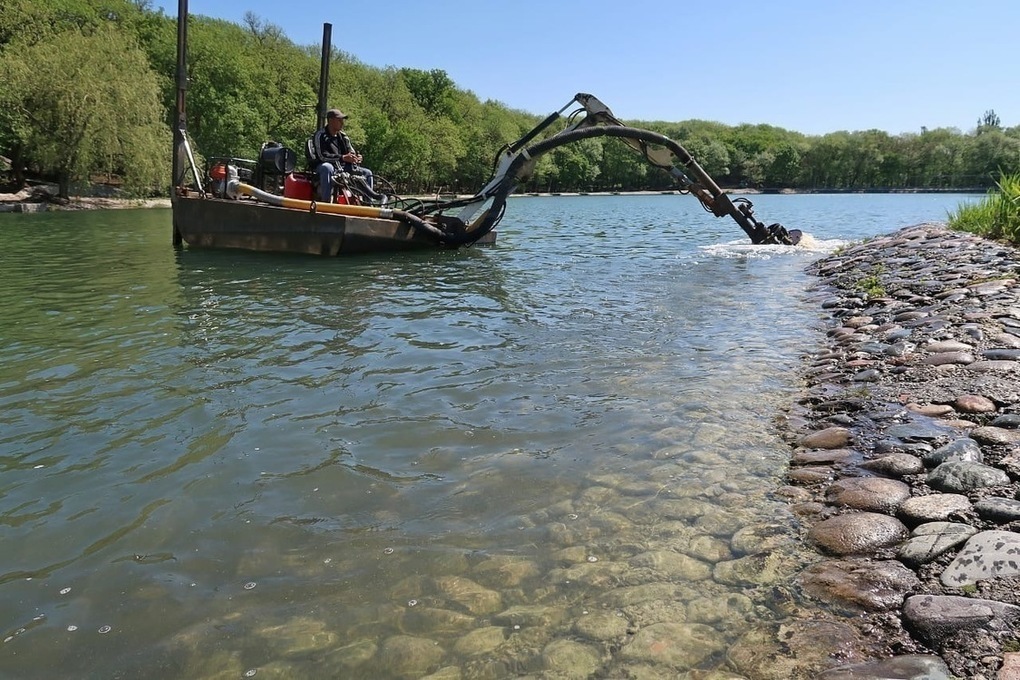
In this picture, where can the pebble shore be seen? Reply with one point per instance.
(906, 453)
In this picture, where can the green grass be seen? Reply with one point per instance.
(871, 284)
(996, 216)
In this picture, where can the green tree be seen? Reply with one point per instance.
(989, 121)
(85, 103)
(432, 90)
(990, 155)
(784, 170)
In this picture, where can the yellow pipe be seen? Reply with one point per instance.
(312, 206)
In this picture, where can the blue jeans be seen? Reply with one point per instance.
(325, 172)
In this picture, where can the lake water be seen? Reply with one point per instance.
(495, 461)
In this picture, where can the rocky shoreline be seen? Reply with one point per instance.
(906, 453)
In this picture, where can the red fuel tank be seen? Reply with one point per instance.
(298, 186)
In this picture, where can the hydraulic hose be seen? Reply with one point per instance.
(339, 209)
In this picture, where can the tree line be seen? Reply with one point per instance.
(89, 91)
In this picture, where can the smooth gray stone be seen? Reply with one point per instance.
(909, 667)
(936, 617)
(964, 476)
(964, 448)
(998, 509)
(930, 540)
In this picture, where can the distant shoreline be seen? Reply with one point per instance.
(24, 202)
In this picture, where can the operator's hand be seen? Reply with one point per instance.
(351, 157)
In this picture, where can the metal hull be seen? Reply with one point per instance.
(249, 225)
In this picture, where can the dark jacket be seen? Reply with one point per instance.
(323, 147)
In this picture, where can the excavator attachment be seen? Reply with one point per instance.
(515, 163)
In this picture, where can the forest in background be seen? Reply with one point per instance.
(89, 93)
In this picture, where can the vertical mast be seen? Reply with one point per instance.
(320, 113)
(180, 124)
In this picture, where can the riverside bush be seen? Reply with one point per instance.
(996, 216)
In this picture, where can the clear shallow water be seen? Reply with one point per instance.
(214, 463)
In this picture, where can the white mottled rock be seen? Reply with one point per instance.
(988, 554)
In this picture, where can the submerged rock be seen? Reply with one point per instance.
(860, 533)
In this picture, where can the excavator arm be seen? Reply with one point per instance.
(516, 162)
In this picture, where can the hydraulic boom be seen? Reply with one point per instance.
(516, 162)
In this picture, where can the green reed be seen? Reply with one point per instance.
(996, 216)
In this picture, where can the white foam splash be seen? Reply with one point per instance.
(808, 245)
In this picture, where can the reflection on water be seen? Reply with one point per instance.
(501, 461)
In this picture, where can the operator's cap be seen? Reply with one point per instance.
(335, 113)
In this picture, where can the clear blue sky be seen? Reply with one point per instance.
(814, 66)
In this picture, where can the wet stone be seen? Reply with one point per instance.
(504, 571)
(868, 375)
(573, 555)
(897, 333)
(921, 429)
(794, 649)
(570, 659)
(986, 555)
(601, 626)
(599, 574)
(445, 673)
(899, 349)
(1002, 510)
(944, 358)
(929, 541)
(996, 435)
(876, 494)
(936, 617)
(353, 655)
(821, 457)
(1001, 354)
(299, 636)
(943, 346)
(829, 438)
(1009, 421)
(931, 410)
(909, 316)
(857, 533)
(859, 584)
(709, 549)
(760, 538)
(734, 606)
(808, 509)
(895, 465)
(480, 641)
(974, 403)
(794, 494)
(672, 565)
(964, 476)
(405, 655)
(719, 523)
(434, 620)
(1007, 340)
(679, 645)
(629, 596)
(907, 667)
(840, 420)
(932, 507)
(858, 321)
(530, 616)
(961, 449)
(683, 508)
(899, 446)
(750, 570)
(990, 366)
(470, 595)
